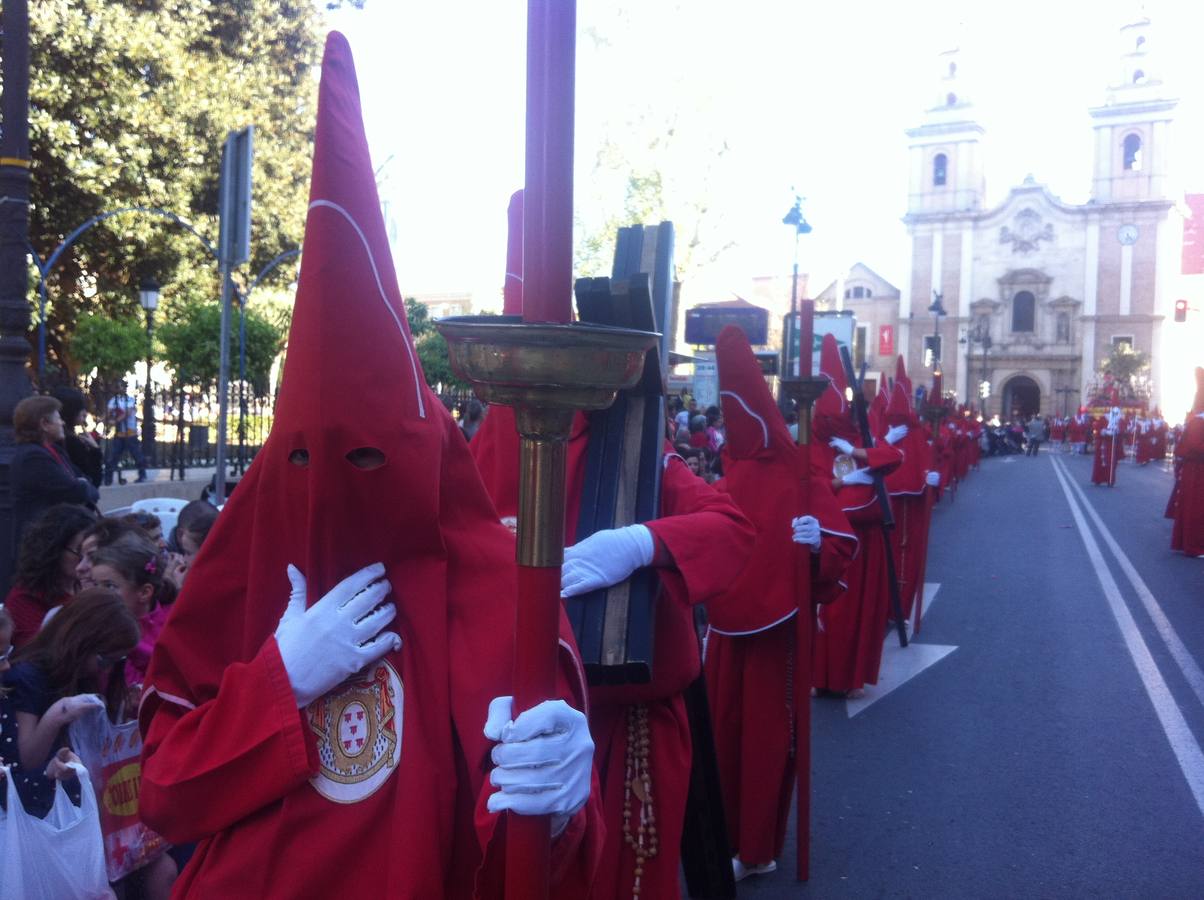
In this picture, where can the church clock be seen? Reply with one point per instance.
(1127, 234)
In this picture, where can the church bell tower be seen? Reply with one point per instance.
(1132, 127)
(946, 149)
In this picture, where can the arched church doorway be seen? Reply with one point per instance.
(1021, 397)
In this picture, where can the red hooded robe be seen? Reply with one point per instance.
(702, 540)
(378, 788)
(909, 493)
(753, 644)
(848, 642)
(1188, 533)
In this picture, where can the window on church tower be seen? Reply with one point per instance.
(952, 69)
(1063, 328)
(1132, 148)
(940, 165)
(1140, 41)
(1138, 77)
(951, 99)
(1024, 309)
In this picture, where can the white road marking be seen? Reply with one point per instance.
(930, 589)
(899, 666)
(1179, 653)
(1170, 717)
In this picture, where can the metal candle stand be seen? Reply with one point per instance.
(547, 373)
(802, 393)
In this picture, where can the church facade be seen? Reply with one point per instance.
(1035, 293)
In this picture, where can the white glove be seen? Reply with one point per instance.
(605, 558)
(896, 434)
(933, 479)
(543, 761)
(857, 476)
(336, 637)
(805, 530)
(842, 445)
(71, 708)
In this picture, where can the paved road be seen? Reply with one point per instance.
(1056, 752)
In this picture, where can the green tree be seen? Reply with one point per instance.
(110, 346)
(1126, 367)
(192, 345)
(131, 101)
(432, 348)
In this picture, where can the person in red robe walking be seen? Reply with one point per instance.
(908, 487)
(1188, 534)
(698, 545)
(327, 708)
(753, 644)
(1108, 449)
(848, 642)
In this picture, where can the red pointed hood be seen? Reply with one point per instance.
(832, 416)
(877, 411)
(754, 426)
(900, 411)
(363, 465)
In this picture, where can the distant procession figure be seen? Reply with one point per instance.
(1108, 449)
(1187, 502)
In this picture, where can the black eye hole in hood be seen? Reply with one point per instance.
(299, 457)
(366, 458)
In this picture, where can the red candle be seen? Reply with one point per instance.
(548, 202)
(806, 337)
(936, 384)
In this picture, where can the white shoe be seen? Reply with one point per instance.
(742, 871)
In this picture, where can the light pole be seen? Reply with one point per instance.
(937, 309)
(795, 219)
(980, 334)
(148, 299)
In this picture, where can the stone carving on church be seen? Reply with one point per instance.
(1026, 234)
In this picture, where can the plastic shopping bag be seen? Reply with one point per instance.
(112, 754)
(55, 858)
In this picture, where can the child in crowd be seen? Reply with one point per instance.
(46, 563)
(135, 569)
(70, 667)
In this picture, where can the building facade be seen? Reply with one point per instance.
(1037, 292)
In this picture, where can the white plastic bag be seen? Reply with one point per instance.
(112, 754)
(55, 858)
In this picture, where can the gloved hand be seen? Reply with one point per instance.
(858, 476)
(933, 479)
(805, 530)
(842, 445)
(337, 636)
(71, 708)
(896, 434)
(543, 761)
(605, 558)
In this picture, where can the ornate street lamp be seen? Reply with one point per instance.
(148, 299)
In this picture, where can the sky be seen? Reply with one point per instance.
(740, 106)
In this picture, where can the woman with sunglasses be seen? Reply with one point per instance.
(71, 667)
(45, 578)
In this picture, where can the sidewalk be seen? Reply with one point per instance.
(158, 484)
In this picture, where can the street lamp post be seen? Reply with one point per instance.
(795, 219)
(148, 299)
(937, 309)
(980, 334)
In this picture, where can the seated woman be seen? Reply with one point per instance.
(46, 564)
(41, 475)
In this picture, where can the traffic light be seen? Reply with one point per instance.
(1180, 310)
(984, 389)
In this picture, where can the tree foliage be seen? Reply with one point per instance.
(1125, 365)
(131, 101)
(192, 345)
(108, 345)
(432, 348)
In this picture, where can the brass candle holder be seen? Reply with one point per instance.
(803, 392)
